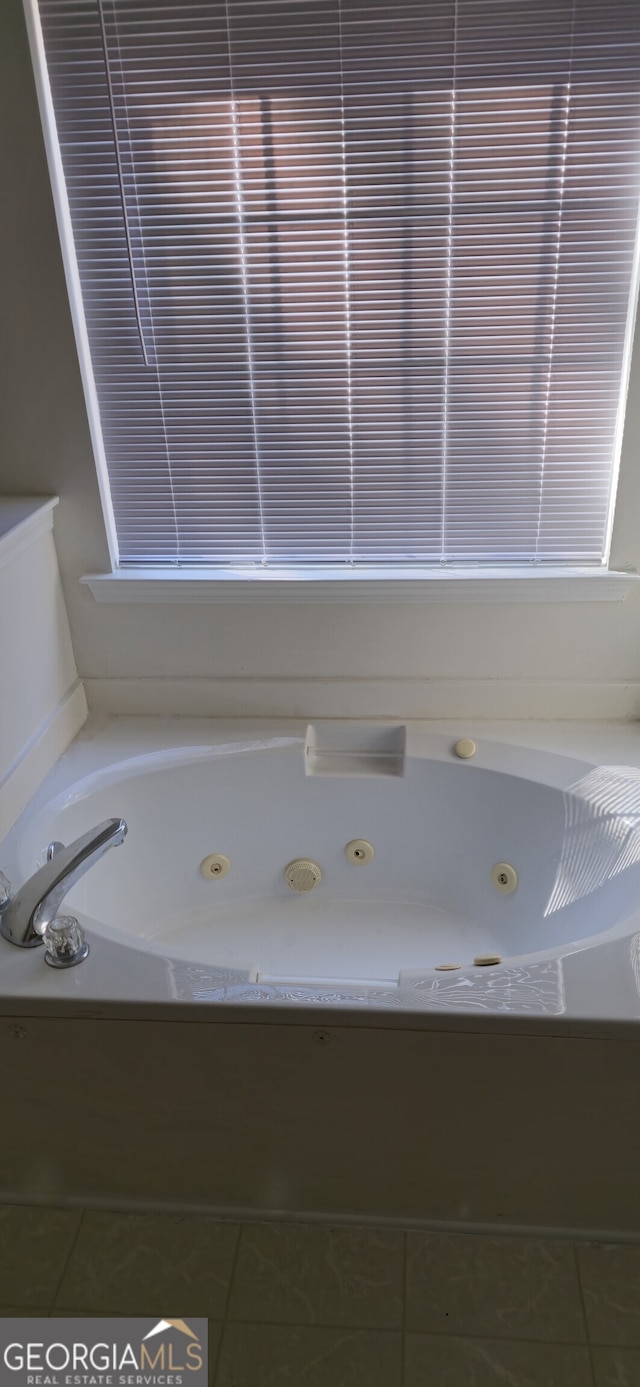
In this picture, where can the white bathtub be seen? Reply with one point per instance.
(371, 936)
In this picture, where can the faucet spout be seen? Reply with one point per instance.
(24, 918)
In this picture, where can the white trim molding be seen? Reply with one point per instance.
(290, 697)
(70, 263)
(342, 584)
(22, 520)
(41, 753)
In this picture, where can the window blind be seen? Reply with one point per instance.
(356, 276)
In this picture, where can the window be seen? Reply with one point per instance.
(357, 277)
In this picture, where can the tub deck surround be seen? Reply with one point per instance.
(561, 802)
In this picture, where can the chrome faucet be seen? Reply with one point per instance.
(25, 916)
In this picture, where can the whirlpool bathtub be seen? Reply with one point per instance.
(516, 854)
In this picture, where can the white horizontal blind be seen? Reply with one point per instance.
(356, 275)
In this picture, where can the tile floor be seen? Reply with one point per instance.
(297, 1305)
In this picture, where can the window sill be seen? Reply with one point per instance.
(362, 585)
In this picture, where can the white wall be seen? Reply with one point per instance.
(547, 660)
(42, 705)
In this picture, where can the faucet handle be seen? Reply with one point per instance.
(6, 894)
(65, 942)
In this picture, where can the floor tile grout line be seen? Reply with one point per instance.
(422, 1333)
(67, 1260)
(584, 1316)
(101, 1313)
(224, 1317)
(350, 1328)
